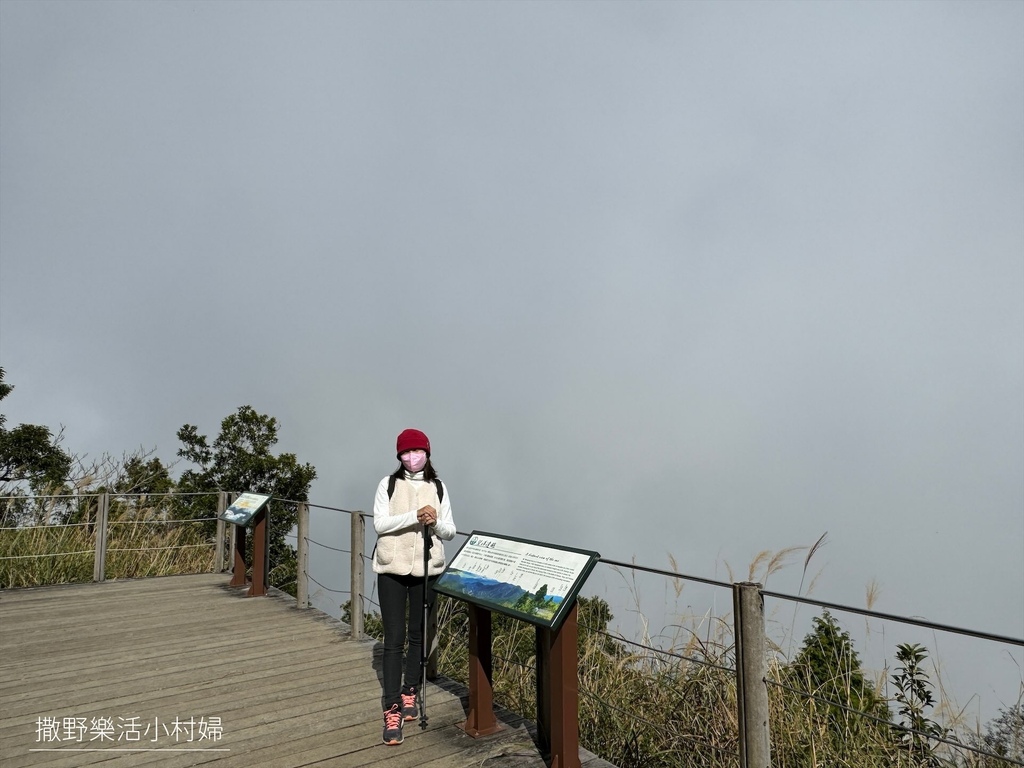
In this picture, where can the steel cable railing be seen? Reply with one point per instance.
(137, 531)
(663, 652)
(712, 665)
(47, 554)
(325, 546)
(333, 591)
(824, 700)
(908, 620)
(166, 547)
(602, 701)
(640, 649)
(918, 622)
(56, 526)
(928, 738)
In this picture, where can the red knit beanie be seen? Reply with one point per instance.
(410, 440)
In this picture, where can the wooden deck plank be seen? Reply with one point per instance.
(290, 688)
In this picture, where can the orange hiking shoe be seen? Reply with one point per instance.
(410, 704)
(393, 726)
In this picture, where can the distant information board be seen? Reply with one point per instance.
(244, 508)
(528, 580)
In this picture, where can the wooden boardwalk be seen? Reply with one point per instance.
(184, 670)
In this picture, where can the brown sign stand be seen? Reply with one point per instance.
(480, 720)
(238, 567)
(557, 687)
(558, 692)
(481, 574)
(260, 554)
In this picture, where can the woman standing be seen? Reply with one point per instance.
(410, 499)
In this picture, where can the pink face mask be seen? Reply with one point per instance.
(414, 461)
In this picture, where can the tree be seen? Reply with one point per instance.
(30, 452)
(828, 668)
(144, 475)
(827, 662)
(240, 460)
(914, 696)
(131, 479)
(30, 455)
(1004, 736)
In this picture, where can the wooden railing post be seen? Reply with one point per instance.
(99, 563)
(218, 559)
(302, 557)
(751, 674)
(356, 548)
(558, 692)
(480, 720)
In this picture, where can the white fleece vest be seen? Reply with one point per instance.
(401, 552)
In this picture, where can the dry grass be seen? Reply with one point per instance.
(138, 545)
(677, 708)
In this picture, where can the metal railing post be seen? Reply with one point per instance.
(302, 557)
(99, 563)
(356, 547)
(751, 676)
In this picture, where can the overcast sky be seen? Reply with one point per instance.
(688, 278)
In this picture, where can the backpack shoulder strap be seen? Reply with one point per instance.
(437, 484)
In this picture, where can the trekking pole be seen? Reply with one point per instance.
(427, 543)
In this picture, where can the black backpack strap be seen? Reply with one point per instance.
(437, 484)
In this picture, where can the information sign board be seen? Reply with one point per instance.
(244, 508)
(525, 579)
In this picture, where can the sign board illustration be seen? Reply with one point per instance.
(244, 508)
